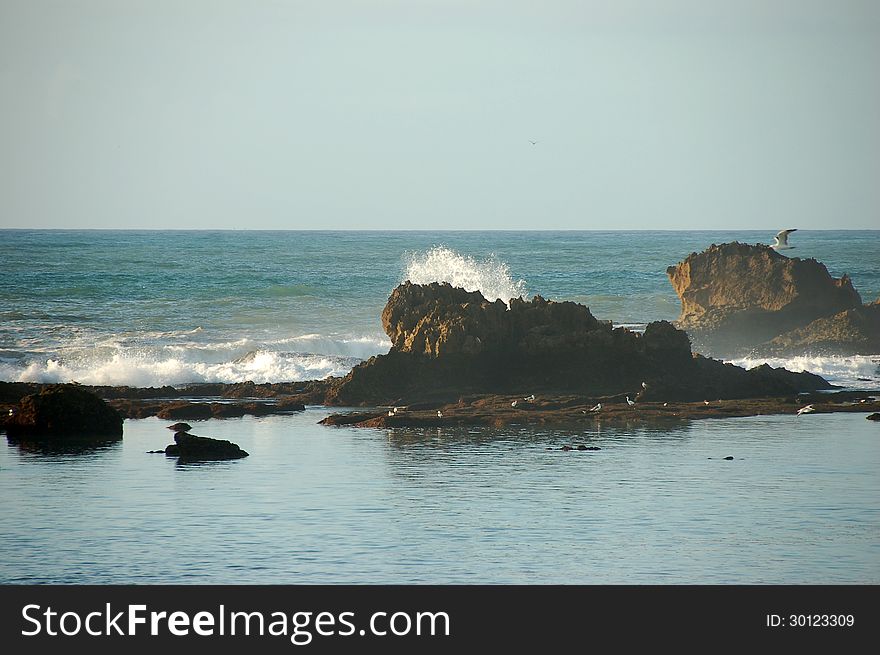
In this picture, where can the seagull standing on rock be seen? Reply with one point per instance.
(629, 402)
(513, 404)
(439, 414)
(597, 408)
(180, 427)
(530, 398)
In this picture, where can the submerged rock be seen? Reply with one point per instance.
(447, 343)
(190, 447)
(873, 417)
(63, 410)
(736, 295)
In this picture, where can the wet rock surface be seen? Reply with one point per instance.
(62, 411)
(569, 410)
(192, 448)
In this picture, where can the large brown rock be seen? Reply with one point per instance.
(852, 332)
(63, 410)
(438, 319)
(448, 342)
(736, 295)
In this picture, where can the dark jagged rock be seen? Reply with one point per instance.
(189, 447)
(736, 295)
(855, 331)
(63, 410)
(873, 417)
(290, 405)
(448, 343)
(185, 410)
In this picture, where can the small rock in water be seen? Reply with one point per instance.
(873, 417)
(565, 448)
(728, 458)
(189, 447)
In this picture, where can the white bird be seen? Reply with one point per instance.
(529, 398)
(513, 404)
(629, 402)
(534, 143)
(390, 413)
(665, 404)
(780, 241)
(597, 408)
(439, 414)
(705, 402)
(644, 385)
(394, 410)
(809, 409)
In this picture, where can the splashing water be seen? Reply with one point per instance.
(855, 371)
(489, 276)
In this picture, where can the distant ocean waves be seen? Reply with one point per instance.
(857, 371)
(125, 361)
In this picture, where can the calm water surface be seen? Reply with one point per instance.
(342, 505)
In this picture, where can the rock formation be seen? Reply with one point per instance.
(736, 296)
(855, 331)
(61, 411)
(192, 448)
(447, 342)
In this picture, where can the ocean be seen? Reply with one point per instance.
(314, 504)
(154, 308)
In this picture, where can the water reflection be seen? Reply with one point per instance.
(510, 436)
(80, 445)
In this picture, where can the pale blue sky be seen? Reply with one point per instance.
(394, 114)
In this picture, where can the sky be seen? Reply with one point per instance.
(419, 114)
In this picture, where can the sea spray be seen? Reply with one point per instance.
(489, 276)
(121, 361)
(856, 371)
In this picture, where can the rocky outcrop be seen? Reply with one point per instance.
(852, 332)
(448, 342)
(61, 411)
(191, 448)
(441, 320)
(735, 295)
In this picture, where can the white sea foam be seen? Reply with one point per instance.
(118, 362)
(858, 371)
(489, 276)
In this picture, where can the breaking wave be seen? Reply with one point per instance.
(489, 276)
(306, 357)
(856, 372)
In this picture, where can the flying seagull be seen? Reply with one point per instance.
(534, 143)
(809, 409)
(780, 241)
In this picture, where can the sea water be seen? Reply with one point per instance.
(655, 504)
(154, 308)
(313, 504)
